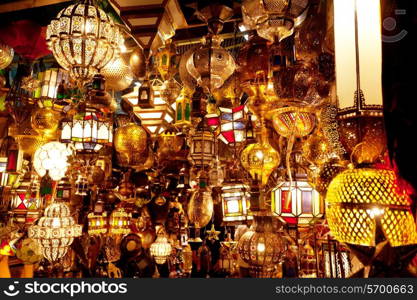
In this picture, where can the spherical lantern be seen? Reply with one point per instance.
(45, 121)
(317, 149)
(83, 39)
(29, 251)
(55, 231)
(362, 202)
(200, 207)
(260, 159)
(261, 247)
(211, 65)
(52, 157)
(161, 248)
(6, 55)
(118, 74)
(130, 142)
(137, 62)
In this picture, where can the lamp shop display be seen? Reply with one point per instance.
(258, 150)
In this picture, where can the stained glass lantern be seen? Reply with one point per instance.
(11, 159)
(235, 201)
(210, 64)
(55, 231)
(97, 223)
(161, 248)
(231, 123)
(183, 109)
(25, 203)
(165, 59)
(155, 119)
(202, 150)
(83, 39)
(119, 222)
(261, 247)
(362, 202)
(50, 81)
(89, 130)
(297, 202)
(6, 55)
(274, 20)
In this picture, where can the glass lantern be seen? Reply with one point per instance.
(297, 202)
(119, 222)
(235, 201)
(97, 223)
(89, 130)
(202, 149)
(183, 109)
(50, 81)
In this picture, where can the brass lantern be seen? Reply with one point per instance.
(165, 59)
(118, 74)
(119, 222)
(200, 207)
(297, 202)
(274, 20)
(261, 247)
(97, 223)
(161, 248)
(363, 202)
(83, 39)
(183, 109)
(202, 150)
(210, 64)
(6, 55)
(55, 231)
(293, 121)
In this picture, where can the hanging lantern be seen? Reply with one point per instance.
(81, 185)
(83, 39)
(335, 259)
(260, 159)
(89, 130)
(274, 20)
(261, 247)
(232, 122)
(362, 202)
(200, 207)
(358, 50)
(161, 248)
(119, 222)
(50, 82)
(297, 202)
(45, 121)
(97, 223)
(55, 231)
(11, 159)
(202, 150)
(131, 144)
(183, 109)
(293, 121)
(118, 74)
(172, 90)
(6, 55)
(308, 262)
(154, 119)
(235, 201)
(210, 64)
(165, 59)
(25, 204)
(52, 157)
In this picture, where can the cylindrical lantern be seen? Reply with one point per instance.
(97, 223)
(202, 150)
(119, 222)
(55, 231)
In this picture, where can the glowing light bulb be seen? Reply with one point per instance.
(56, 223)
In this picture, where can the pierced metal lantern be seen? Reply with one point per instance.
(293, 121)
(52, 158)
(119, 222)
(130, 143)
(161, 248)
(200, 208)
(261, 247)
(274, 20)
(202, 150)
(297, 202)
(118, 74)
(362, 202)
(235, 201)
(89, 130)
(83, 39)
(210, 64)
(55, 231)
(6, 55)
